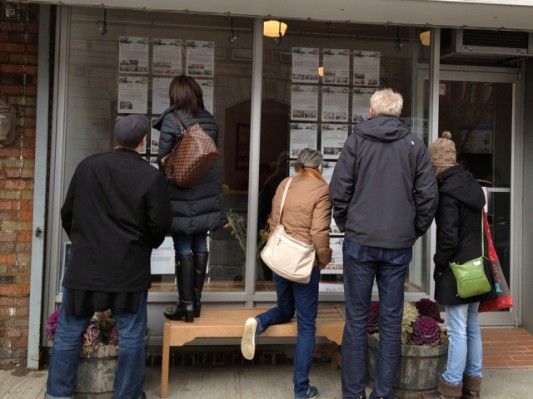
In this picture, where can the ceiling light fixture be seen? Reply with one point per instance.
(274, 28)
(425, 38)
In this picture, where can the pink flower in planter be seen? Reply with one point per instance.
(51, 325)
(426, 331)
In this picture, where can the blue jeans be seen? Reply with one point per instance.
(304, 299)
(465, 348)
(65, 355)
(361, 265)
(185, 244)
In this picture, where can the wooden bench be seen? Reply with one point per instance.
(229, 323)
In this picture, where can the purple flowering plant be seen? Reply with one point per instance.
(100, 331)
(421, 324)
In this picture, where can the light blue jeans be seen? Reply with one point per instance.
(465, 349)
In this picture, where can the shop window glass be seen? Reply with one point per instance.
(128, 69)
(317, 82)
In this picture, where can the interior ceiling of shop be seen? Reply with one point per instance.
(509, 14)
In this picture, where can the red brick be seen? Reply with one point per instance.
(26, 216)
(7, 259)
(11, 47)
(24, 236)
(11, 89)
(7, 301)
(6, 205)
(14, 289)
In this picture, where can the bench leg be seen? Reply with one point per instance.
(165, 364)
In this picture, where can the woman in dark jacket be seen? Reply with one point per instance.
(195, 210)
(459, 239)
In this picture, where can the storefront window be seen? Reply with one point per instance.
(317, 82)
(128, 69)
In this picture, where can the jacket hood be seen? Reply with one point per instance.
(159, 121)
(185, 117)
(461, 185)
(382, 128)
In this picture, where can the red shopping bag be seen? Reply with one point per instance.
(503, 299)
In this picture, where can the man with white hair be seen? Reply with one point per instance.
(384, 196)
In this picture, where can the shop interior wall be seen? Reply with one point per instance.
(527, 248)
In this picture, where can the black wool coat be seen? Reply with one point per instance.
(116, 211)
(458, 219)
(199, 208)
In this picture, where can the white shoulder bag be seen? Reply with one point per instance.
(287, 256)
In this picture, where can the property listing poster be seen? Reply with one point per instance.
(200, 58)
(132, 94)
(208, 86)
(366, 68)
(166, 57)
(335, 103)
(336, 66)
(335, 266)
(303, 135)
(361, 103)
(327, 170)
(154, 139)
(305, 65)
(132, 54)
(304, 102)
(333, 139)
(160, 100)
(162, 261)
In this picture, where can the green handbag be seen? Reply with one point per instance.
(470, 276)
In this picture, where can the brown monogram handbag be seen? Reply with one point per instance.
(191, 157)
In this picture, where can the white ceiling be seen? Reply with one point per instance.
(508, 14)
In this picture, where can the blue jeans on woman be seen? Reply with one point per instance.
(65, 355)
(304, 299)
(186, 244)
(361, 265)
(465, 348)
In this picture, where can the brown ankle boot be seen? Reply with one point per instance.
(444, 391)
(471, 387)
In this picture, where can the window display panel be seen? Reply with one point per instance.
(317, 82)
(128, 70)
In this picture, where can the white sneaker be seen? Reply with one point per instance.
(248, 338)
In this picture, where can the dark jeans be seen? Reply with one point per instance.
(65, 355)
(185, 244)
(304, 299)
(389, 267)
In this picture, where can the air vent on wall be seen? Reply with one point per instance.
(462, 42)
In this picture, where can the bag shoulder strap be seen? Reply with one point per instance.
(283, 198)
(482, 233)
(180, 121)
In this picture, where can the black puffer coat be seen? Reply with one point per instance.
(199, 208)
(458, 220)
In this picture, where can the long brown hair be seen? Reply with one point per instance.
(186, 94)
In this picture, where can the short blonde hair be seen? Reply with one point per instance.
(386, 102)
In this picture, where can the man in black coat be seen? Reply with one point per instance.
(116, 211)
(384, 197)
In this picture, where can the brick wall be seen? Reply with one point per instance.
(18, 85)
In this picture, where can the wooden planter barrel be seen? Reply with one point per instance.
(420, 369)
(96, 374)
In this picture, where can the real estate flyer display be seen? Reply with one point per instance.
(335, 104)
(304, 102)
(132, 94)
(305, 65)
(303, 135)
(335, 266)
(361, 103)
(160, 100)
(154, 139)
(200, 58)
(166, 57)
(333, 137)
(336, 66)
(208, 86)
(162, 260)
(366, 68)
(132, 54)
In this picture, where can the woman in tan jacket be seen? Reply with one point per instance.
(306, 217)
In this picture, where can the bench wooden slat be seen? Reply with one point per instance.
(229, 323)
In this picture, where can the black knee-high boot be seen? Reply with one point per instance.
(200, 267)
(185, 275)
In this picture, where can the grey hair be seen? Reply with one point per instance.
(386, 102)
(308, 158)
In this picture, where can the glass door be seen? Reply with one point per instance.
(478, 108)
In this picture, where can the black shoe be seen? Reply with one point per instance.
(185, 275)
(200, 268)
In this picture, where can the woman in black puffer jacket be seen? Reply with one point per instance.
(195, 210)
(459, 238)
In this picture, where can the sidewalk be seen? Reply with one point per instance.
(258, 382)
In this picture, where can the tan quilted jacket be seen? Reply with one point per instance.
(307, 213)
